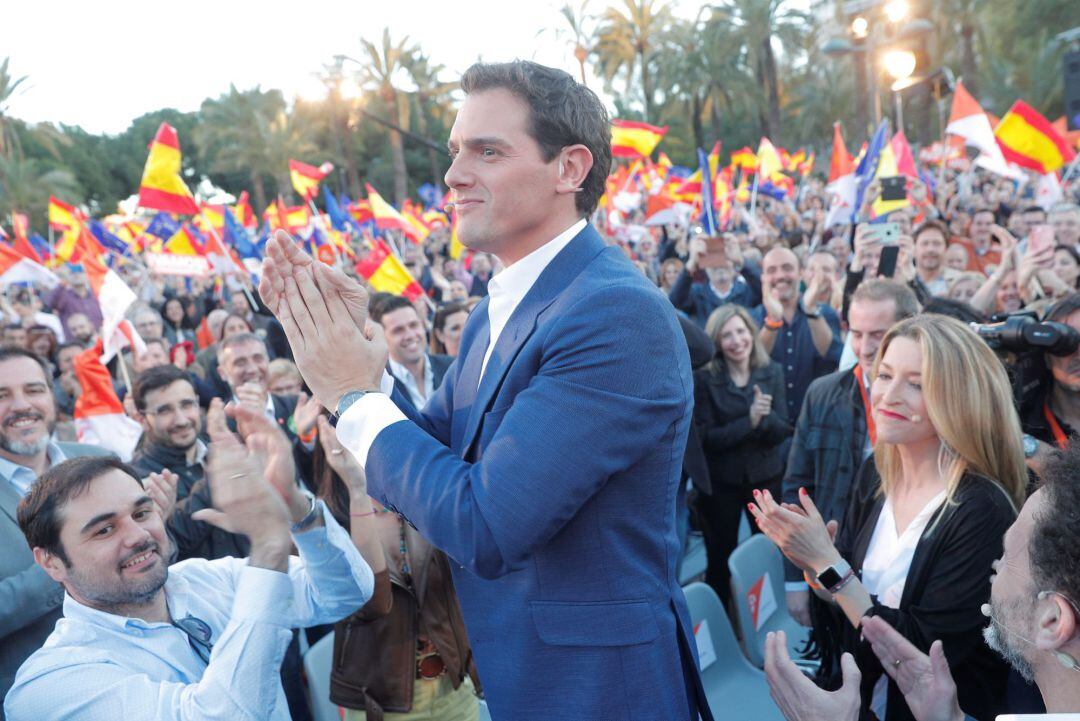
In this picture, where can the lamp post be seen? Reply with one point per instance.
(899, 64)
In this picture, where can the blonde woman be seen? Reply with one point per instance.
(927, 515)
(740, 411)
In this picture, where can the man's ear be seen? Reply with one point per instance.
(51, 563)
(575, 162)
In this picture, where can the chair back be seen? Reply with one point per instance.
(317, 664)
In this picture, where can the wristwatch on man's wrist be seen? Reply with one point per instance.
(348, 399)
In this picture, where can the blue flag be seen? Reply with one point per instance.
(40, 245)
(162, 226)
(237, 237)
(869, 164)
(429, 194)
(339, 218)
(708, 212)
(107, 239)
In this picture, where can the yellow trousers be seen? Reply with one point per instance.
(434, 699)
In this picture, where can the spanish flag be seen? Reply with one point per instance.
(306, 178)
(388, 218)
(162, 188)
(769, 161)
(745, 158)
(631, 139)
(1029, 140)
(243, 212)
(386, 274)
(184, 242)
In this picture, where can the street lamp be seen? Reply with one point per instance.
(860, 27)
(896, 11)
(899, 64)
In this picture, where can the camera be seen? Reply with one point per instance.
(1022, 341)
(1023, 332)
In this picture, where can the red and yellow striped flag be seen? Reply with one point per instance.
(306, 178)
(162, 188)
(386, 274)
(183, 242)
(1029, 140)
(632, 139)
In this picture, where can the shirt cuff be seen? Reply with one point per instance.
(262, 595)
(386, 383)
(363, 421)
(793, 586)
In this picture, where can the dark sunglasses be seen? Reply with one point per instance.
(198, 634)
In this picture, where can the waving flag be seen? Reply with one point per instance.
(386, 274)
(185, 241)
(388, 218)
(244, 213)
(339, 219)
(162, 188)
(108, 240)
(306, 178)
(632, 139)
(708, 210)
(1029, 140)
(886, 168)
(745, 158)
(20, 227)
(163, 226)
(237, 237)
(17, 268)
(841, 186)
(100, 419)
(769, 160)
(293, 219)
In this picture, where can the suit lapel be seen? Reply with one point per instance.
(9, 499)
(469, 375)
(562, 269)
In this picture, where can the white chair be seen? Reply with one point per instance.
(749, 563)
(735, 689)
(317, 663)
(693, 563)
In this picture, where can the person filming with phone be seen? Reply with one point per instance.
(714, 275)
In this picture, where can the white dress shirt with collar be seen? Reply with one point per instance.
(364, 420)
(416, 395)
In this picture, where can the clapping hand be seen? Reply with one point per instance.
(324, 315)
(798, 530)
(341, 459)
(306, 414)
(161, 487)
(925, 681)
(799, 698)
(774, 309)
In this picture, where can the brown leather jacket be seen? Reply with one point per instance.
(375, 648)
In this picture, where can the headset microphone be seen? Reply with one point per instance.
(916, 418)
(449, 207)
(1063, 658)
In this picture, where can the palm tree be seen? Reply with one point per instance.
(9, 141)
(578, 26)
(384, 61)
(235, 133)
(26, 183)
(759, 22)
(431, 94)
(628, 41)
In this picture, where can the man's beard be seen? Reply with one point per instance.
(1000, 639)
(120, 598)
(26, 448)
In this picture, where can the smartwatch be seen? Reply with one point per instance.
(834, 576)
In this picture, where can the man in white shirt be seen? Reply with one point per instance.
(203, 639)
(416, 372)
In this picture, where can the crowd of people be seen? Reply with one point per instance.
(848, 410)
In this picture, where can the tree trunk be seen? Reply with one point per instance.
(695, 121)
(967, 63)
(763, 115)
(646, 87)
(714, 117)
(258, 193)
(773, 87)
(397, 153)
(433, 158)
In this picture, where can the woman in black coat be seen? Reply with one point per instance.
(927, 516)
(739, 414)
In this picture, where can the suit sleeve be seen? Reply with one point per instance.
(602, 404)
(25, 597)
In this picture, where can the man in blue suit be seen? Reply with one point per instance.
(546, 465)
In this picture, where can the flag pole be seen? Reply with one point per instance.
(1069, 171)
(753, 192)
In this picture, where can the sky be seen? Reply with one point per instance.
(101, 64)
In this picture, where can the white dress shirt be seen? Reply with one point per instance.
(886, 566)
(98, 666)
(417, 395)
(364, 420)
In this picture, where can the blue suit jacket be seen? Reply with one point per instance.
(553, 487)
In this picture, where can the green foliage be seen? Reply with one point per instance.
(735, 70)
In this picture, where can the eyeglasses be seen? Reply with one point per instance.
(198, 634)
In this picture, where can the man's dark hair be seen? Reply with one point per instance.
(389, 305)
(963, 312)
(156, 378)
(932, 224)
(9, 352)
(375, 301)
(563, 111)
(1032, 209)
(40, 511)
(1055, 531)
(238, 339)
